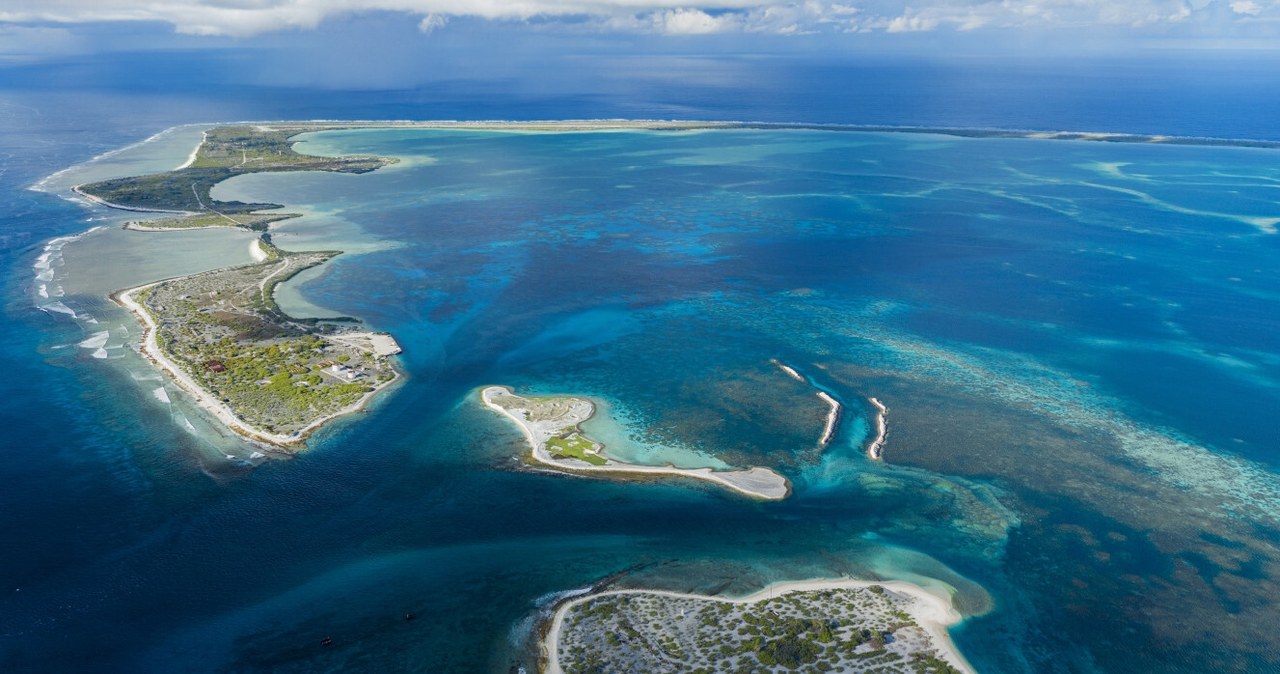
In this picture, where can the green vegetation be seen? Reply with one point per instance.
(574, 446)
(253, 221)
(226, 152)
(275, 373)
(790, 651)
(853, 630)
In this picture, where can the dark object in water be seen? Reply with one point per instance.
(327, 641)
(408, 616)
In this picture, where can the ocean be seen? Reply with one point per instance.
(1076, 341)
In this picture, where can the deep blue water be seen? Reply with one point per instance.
(1078, 344)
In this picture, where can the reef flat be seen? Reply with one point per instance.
(551, 426)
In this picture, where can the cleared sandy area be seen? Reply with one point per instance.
(561, 416)
(932, 612)
(378, 343)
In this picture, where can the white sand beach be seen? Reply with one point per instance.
(256, 251)
(191, 159)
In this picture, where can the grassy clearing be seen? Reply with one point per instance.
(574, 446)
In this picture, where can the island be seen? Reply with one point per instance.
(269, 377)
(808, 626)
(552, 427)
(875, 449)
(833, 416)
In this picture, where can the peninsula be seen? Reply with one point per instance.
(820, 626)
(182, 195)
(271, 378)
(551, 425)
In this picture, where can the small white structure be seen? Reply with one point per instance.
(343, 372)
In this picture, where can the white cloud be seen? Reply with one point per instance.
(683, 17)
(694, 22)
(433, 22)
(1246, 7)
(911, 23)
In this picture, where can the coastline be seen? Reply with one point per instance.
(206, 401)
(582, 125)
(136, 209)
(692, 125)
(256, 431)
(875, 450)
(755, 482)
(191, 158)
(932, 611)
(137, 226)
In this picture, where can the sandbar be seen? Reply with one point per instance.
(788, 370)
(875, 450)
(555, 421)
(833, 418)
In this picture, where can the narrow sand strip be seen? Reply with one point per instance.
(876, 449)
(140, 226)
(791, 372)
(256, 251)
(833, 419)
(756, 482)
(136, 209)
(933, 611)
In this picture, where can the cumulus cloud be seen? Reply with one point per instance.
(433, 22)
(675, 17)
(693, 22)
(1007, 14)
(1246, 7)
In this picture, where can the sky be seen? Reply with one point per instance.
(33, 28)
(675, 54)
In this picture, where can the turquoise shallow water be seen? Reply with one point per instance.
(1076, 341)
